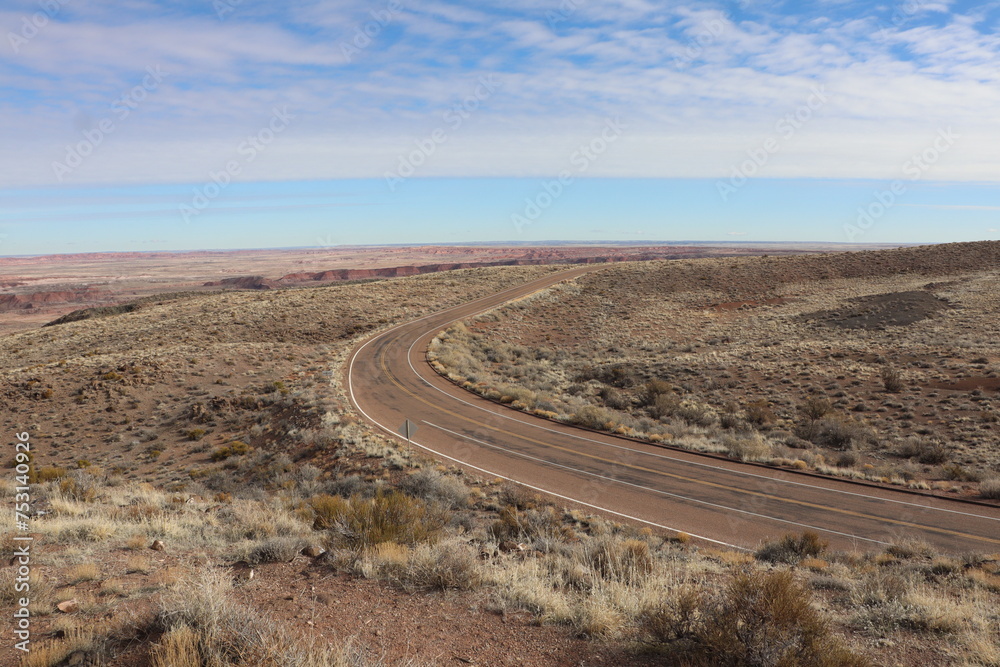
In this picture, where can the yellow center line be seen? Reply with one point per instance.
(944, 531)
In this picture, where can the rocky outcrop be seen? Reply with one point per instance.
(10, 302)
(410, 270)
(245, 282)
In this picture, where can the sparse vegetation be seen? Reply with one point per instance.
(822, 381)
(304, 491)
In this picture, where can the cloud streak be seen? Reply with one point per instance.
(891, 83)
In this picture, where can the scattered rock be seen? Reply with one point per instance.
(242, 571)
(157, 545)
(313, 551)
(69, 606)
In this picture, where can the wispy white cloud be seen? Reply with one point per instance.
(698, 82)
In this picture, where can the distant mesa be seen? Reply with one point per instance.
(532, 258)
(11, 302)
(245, 282)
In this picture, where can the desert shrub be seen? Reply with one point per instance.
(835, 433)
(429, 484)
(733, 422)
(752, 448)
(653, 389)
(195, 434)
(79, 486)
(531, 524)
(441, 567)
(847, 459)
(695, 414)
(759, 413)
(663, 405)
(622, 376)
(351, 485)
(815, 408)
(235, 448)
(909, 549)
(760, 618)
(615, 398)
(275, 550)
(957, 473)
(47, 474)
(200, 622)
(359, 523)
(676, 621)
(791, 548)
(629, 561)
(594, 417)
(990, 489)
(519, 497)
(327, 510)
(73, 645)
(922, 449)
(892, 381)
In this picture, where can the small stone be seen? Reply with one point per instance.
(68, 607)
(157, 545)
(509, 546)
(313, 551)
(242, 571)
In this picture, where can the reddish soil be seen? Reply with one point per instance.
(385, 623)
(970, 384)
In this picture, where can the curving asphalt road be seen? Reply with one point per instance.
(714, 500)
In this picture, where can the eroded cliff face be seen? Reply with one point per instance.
(11, 302)
(411, 270)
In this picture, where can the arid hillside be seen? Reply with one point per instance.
(203, 494)
(879, 365)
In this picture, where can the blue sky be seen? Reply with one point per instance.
(236, 123)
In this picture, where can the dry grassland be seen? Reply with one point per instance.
(217, 425)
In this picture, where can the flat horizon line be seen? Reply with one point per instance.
(484, 244)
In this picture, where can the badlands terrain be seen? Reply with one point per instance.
(204, 493)
(38, 289)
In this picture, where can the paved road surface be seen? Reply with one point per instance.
(716, 500)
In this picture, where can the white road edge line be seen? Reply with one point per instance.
(350, 383)
(649, 488)
(350, 386)
(682, 461)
